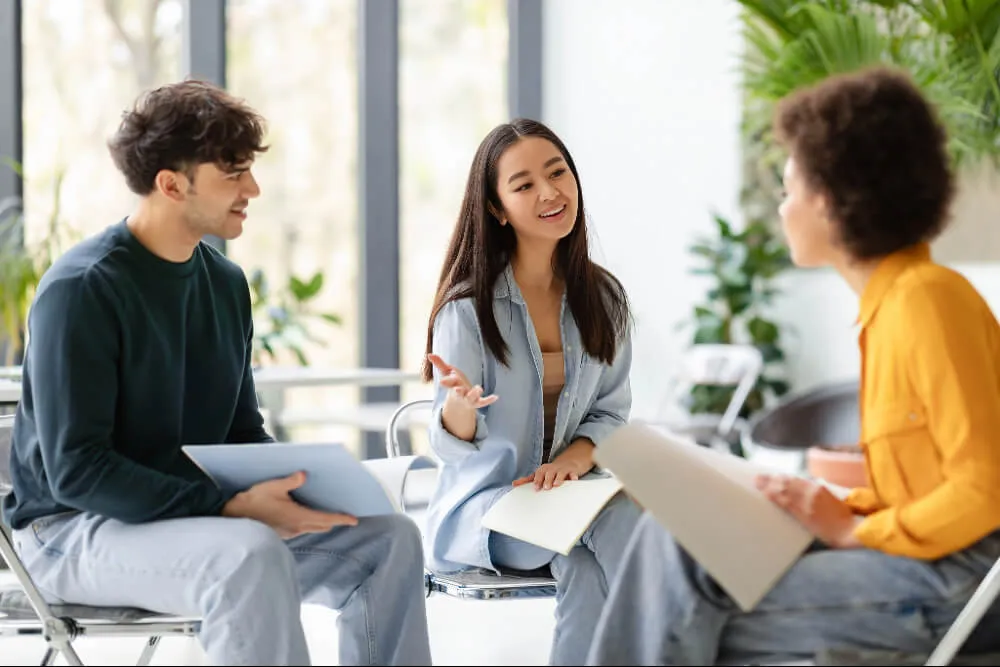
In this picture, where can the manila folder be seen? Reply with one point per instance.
(708, 502)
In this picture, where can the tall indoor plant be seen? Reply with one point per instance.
(950, 47)
(741, 266)
(283, 317)
(23, 261)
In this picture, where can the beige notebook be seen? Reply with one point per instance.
(555, 518)
(708, 501)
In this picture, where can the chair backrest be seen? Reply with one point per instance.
(401, 417)
(6, 443)
(721, 365)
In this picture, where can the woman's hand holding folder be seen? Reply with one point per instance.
(825, 515)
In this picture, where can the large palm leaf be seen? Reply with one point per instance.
(967, 35)
(951, 47)
(809, 44)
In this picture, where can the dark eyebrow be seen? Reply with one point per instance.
(521, 174)
(234, 167)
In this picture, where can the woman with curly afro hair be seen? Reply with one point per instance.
(868, 186)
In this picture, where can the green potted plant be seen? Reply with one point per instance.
(741, 266)
(283, 317)
(950, 47)
(22, 264)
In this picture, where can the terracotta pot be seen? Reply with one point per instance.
(844, 466)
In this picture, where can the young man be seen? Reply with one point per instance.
(139, 343)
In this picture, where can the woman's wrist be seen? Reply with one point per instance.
(848, 538)
(459, 421)
(582, 452)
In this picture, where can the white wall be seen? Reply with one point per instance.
(822, 310)
(645, 95)
(818, 311)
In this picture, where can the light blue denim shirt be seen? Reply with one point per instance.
(507, 445)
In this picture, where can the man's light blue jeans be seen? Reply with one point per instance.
(582, 577)
(664, 609)
(244, 581)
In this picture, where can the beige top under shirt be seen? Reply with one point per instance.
(553, 380)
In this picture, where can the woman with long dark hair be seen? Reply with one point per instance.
(529, 349)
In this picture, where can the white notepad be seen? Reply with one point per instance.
(709, 502)
(554, 518)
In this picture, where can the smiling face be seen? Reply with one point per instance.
(215, 202)
(537, 191)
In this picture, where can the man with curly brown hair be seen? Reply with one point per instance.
(868, 185)
(139, 343)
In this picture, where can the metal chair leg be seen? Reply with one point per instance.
(49, 658)
(148, 651)
(59, 634)
(71, 655)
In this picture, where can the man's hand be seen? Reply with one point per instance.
(575, 462)
(459, 412)
(822, 513)
(269, 502)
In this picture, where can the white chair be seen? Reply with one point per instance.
(23, 611)
(713, 365)
(472, 584)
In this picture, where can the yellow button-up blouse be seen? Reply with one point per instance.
(930, 410)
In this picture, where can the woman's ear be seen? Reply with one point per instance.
(823, 207)
(497, 214)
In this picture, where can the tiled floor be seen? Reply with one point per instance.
(514, 632)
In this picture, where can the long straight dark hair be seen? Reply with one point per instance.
(480, 249)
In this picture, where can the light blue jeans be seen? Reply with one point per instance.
(664, 609)
(582, 577)
(244, 581)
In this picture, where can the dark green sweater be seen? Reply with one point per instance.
(130, 357)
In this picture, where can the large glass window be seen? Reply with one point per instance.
(84, 63)
(294, 61)
(453, 90)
